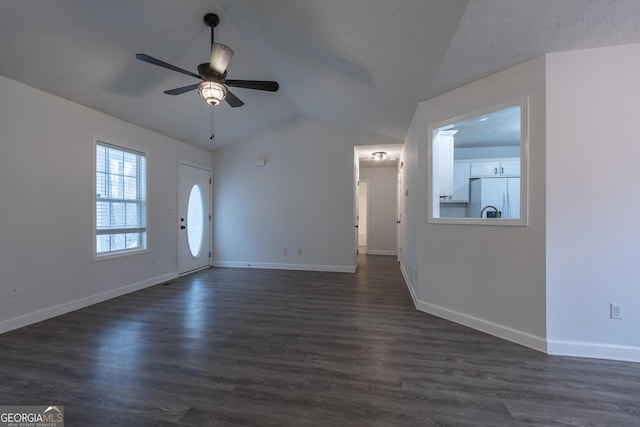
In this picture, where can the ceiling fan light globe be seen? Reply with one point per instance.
(212, 92)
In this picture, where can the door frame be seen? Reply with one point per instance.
(366, 213)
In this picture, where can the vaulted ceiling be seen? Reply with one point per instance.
(362, 64)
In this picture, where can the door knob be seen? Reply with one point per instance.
(182, 227)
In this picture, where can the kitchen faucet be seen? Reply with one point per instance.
(490, 207)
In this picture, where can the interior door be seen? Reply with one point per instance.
(363, 196)
(356, 214)
(399, 208)
(194, 219)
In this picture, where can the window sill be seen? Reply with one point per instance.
(120, 254)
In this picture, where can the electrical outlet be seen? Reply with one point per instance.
(615, 310)
(299, 251)
(284, 251)
(14, 291)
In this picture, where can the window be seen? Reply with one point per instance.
(195, 221)
(121, 200)
(479, 167)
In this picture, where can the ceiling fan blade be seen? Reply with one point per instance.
(233, 100)
(220, 57)
(181, 90)
(254, 84)
(154, 61)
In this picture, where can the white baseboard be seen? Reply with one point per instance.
(278, 266)
(594, 350)
(57, 310)
(552, 347)
(380, 252)
(519, 337)
(407, 280)
(500, 331)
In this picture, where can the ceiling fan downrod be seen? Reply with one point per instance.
(212, 20)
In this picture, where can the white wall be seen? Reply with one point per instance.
(489, 277)
(46, 231)
(383, 188)
(302, 199)
(592, 201)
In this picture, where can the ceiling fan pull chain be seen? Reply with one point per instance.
(211, 124)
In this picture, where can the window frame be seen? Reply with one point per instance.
(523, 102)
(144, 230)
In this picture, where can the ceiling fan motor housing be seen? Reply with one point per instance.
(207, 74)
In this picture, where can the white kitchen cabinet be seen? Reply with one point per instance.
(495, 168)
(460, 192)
(443, 162)
(510, 168)
(484, 168)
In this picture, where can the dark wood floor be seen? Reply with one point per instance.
(283, 348)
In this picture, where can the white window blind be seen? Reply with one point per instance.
(121, 200)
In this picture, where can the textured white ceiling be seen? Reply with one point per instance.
(358, 63)
(496, 34)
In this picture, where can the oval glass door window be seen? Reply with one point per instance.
(195, 221)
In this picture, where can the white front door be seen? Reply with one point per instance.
(194, 219)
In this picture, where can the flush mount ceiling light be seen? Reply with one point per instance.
(212, 92)
(379, 156)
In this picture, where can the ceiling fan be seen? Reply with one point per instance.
(214, 86)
